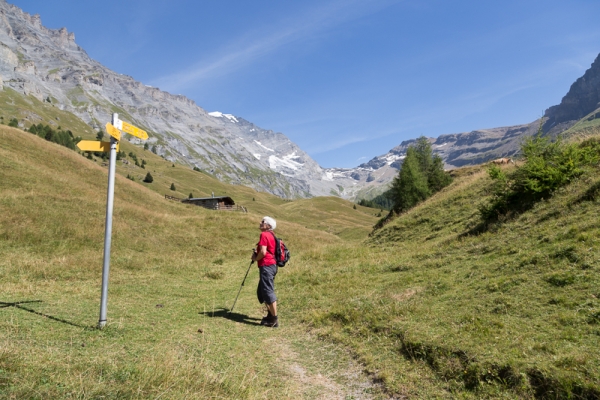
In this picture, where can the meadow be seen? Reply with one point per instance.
(429, 306)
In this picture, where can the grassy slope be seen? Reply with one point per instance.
(438, 312)
(174, 269)
(431, 310)
(29, 110)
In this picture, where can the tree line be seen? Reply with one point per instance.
(62, 137)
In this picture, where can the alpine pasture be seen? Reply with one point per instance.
(429, 306)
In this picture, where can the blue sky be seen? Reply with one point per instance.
(346, 80)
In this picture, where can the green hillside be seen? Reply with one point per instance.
(175, 268)
(432, 305)
(438, 309)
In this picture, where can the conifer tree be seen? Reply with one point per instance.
(410, 185)
(437, 178)
(148, 178)
(421, 175)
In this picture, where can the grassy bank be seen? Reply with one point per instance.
(433, 305)
(438, 311)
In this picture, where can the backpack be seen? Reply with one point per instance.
(282, 254)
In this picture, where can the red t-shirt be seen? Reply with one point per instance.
(267, 239)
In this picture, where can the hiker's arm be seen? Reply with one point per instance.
(262, 252)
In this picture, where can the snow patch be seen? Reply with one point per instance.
(391, 158)
(257, 156)
(285, 162)
(219, 114)
(332, 175)
(264, 147)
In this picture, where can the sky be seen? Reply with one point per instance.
(346, 80)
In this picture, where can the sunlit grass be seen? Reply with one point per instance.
(175, 270)
(433, 305)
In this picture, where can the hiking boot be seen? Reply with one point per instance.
(272, 323)
(266, 319)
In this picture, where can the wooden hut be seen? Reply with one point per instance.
(212, 203)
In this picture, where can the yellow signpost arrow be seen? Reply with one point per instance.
(133, 130)
(92, 145)
(112, 131)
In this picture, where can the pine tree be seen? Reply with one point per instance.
(424, 153)
(410, 185)
(148, 178)
(421, 175)
(173, 186)
(437, 178)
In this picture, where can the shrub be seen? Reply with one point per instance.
(173, 186)
(13, 122)
(382, 202)
(148, 178)
(548, 166)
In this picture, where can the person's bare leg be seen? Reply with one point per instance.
(273, 308)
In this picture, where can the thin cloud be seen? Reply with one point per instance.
(246, 50)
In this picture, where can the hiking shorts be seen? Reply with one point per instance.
(266, 284)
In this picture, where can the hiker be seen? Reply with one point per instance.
(264, 255)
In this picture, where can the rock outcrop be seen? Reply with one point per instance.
(582, 99)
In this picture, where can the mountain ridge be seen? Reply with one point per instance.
(49, 65)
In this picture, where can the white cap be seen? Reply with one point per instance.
(270, 221)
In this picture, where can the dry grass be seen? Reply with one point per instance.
(431, 305)
(175, 270)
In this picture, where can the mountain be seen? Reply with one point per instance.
(48, 65)
(479, 146)
(582, 99)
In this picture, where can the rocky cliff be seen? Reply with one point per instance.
(582, 99)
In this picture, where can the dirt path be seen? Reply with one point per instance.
(318, 370)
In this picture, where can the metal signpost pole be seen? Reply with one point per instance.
(108, 229)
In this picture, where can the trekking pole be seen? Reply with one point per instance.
(238, 295)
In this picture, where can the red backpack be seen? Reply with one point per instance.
(282, 254)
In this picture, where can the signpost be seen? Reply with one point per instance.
(132, 130)
(112, 147)
(112, 131)
(92, 145)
